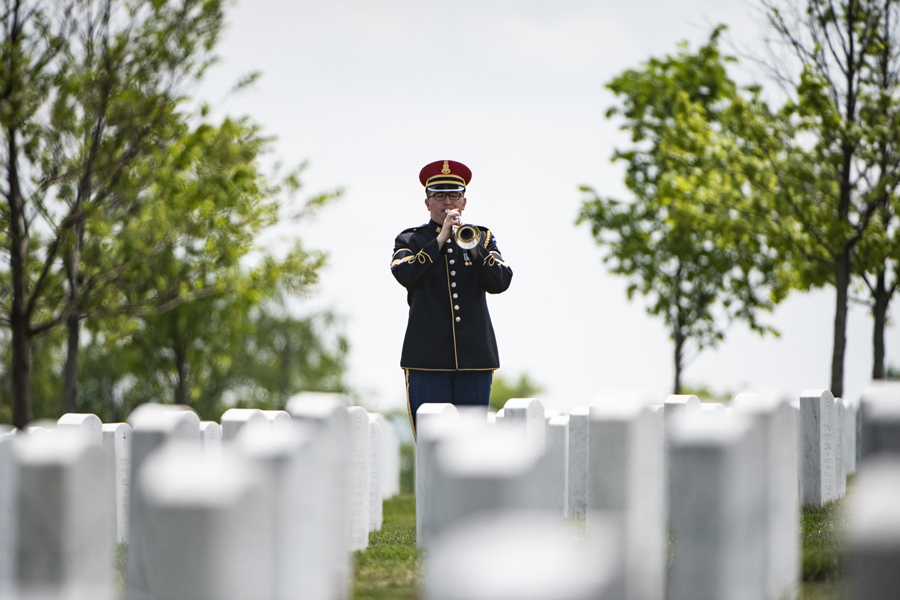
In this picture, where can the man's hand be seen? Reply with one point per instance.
(450, 219)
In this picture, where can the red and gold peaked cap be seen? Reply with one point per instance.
(447, 175)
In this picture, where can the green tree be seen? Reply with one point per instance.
(830, 187)
(502, 390)
(88, 90)
(879, 249)
(688, 241)
(212, 318)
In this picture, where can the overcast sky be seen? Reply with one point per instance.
(369, 92)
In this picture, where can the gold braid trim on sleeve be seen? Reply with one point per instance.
(494, 259)
(420, 256)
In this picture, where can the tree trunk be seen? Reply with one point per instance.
(180, 351)
(21, 372)
(879, 314)
(679, 358)
(19, 316)
(841, 287)
(70, 385)
(73, 264)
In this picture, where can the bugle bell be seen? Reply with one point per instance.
(466, 236)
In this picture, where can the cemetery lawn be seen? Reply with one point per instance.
(823, 573)
(389, 568)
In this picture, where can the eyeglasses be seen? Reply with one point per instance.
(441, 196)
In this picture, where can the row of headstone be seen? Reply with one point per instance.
(269, 504)
(732, 509)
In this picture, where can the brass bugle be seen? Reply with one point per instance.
(466, 236)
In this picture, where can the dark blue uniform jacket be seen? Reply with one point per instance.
(449, 326)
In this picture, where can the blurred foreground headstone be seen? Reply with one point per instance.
(874, 531)
(234, 419)
(776, 420)
(327, 420)
(153, 426)
(206, 526)
(522, 556)
(880, 431)
(293, 475)
(64, 547)
(718, 482)
(433, 420)
(626, 484)
(486, 470)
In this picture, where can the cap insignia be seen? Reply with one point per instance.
(446, 169)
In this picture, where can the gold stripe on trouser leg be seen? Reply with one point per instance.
(412, 422)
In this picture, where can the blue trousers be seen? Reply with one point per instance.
(461, 388)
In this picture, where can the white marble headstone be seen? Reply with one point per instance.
(9, 514)
(838, 429)
(874, 530)
(293, 474)
(850, 438)
(359, 473)
(234, 419)
(153, 426)
(486, 471)
(278, 418)
(880, 430)
(526, 414)
(675, 405)
(390, 457)
(776, 420)
(521, 556)
(626, 483)
(579, 426)
(375, 465)
(718, 507)
(557, 456)
(433, 420)
(211, 533)
(210, 438)
(326, 418)
(117, 466)
(84, 424)
(716, 409)
(817, 448)
(64, 537)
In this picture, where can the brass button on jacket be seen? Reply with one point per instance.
(436, 338)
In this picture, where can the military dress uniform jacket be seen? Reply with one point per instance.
(449, 326)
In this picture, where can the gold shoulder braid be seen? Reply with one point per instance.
(487, 238)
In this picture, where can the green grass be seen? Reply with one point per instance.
(389, 568)
(823, 572)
